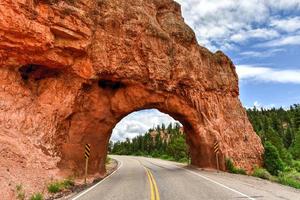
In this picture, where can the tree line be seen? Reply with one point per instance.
(279, 130)
(167, 142)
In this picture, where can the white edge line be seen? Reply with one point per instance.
(215, 182)
(89, 189)
(220, 184)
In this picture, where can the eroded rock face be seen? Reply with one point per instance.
(71, 70)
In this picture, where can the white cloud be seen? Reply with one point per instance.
(290, 24)
(254, 33)
(138, 123)
(219, 24)
(259, 105)
(265, 74)
(261, 54)
(284, 41)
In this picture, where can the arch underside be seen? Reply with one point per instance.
(206, 120)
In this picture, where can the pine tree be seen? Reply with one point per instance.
(272, 160)
(288, 138)
(295, 149)
(297, 119)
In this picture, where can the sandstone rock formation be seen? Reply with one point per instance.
(71, 69)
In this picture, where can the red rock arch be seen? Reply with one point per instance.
(101, 108)
(93, 62)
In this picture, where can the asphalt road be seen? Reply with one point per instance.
(139, 178)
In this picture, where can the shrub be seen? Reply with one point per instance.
(272, 160)
(54, 187)
(165, 157)
(20, 192)
(262, 173)
(291, 178)
(37, 196)
(67, 183)
(183, 160)
(296, 165)
(60, 185)
(232, 169)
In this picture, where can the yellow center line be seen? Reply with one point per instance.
(154, 194)
(152, 197)
(155, 186)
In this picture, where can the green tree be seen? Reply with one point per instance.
(295, 149)
(297, 118)
(272, 160)
(177, 147)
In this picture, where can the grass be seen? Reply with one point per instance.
(58, 186)
(290, 178)
(20, 192)
(232, 169)
(108, 159)
(37, 196)
(296, 165)
(262, 173)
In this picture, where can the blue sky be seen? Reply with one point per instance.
(262, 37)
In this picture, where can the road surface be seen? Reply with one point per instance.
(140, 178)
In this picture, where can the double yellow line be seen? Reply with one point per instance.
(153, 186)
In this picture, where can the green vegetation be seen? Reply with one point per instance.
(290, 178)
(108, 159)
(20, 192)
(279, 131)
(58, 186)
(161, 142)
(37, 196)
(272, 160)
(262, 173)
(232, 169)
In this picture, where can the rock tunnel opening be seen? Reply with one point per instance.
(150, 132)
(107, 102)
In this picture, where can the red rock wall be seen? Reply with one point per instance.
(70, 71)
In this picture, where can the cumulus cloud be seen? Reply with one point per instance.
(261, 54)
(221, 24)
(265, 74)
(259, 105)
(284, 41)
(138, 123)
(290, 24)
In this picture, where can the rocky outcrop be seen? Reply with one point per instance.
(71, 69)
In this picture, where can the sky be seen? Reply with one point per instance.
(262, 37)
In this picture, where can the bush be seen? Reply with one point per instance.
(291, 178)
(54, 187)
(183, 160)
(272, 160)
(67, 183)
(296, 165)
(37, 196)
(262, 173)
(232, 169)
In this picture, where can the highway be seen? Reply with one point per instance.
(140, 178)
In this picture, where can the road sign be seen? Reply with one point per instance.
(216, 150)
(87, 151)
(216, 147)
(86, 155)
